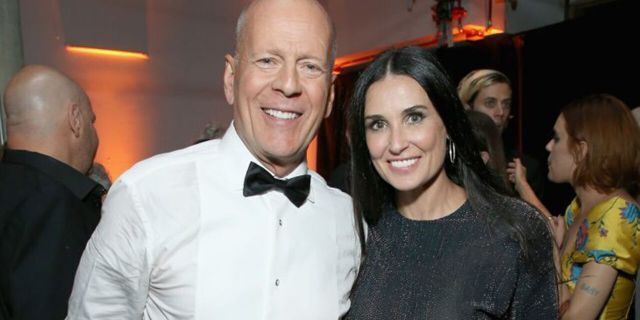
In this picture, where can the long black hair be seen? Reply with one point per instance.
(489, 140)
(486, 193)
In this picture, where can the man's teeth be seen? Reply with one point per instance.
(281, 114)
(403, 163)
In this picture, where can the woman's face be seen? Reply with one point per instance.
(495, 101)
(561, 161)
(404, 133)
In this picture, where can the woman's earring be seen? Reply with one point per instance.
(452, 151)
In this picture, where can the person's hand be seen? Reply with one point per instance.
(517, 174)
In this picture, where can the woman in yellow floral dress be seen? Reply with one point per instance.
(595, 148)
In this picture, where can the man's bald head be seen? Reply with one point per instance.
(279, 81)
(49, 113)
(258, 6)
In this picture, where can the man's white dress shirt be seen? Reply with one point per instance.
(178, 240)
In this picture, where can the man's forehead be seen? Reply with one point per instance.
(281, 38)
(310, 26)
(304, 17)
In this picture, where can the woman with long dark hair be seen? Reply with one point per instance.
(489, 144)
(443, 241)
(595, 148)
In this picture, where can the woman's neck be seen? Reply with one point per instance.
(590, 197)
(436, 200)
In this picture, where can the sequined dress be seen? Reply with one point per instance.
(454, 268)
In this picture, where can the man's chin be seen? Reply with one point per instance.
(282, 157)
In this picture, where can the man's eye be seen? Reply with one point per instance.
(266, 61)
(312, 68)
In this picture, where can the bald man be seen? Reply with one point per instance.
(235, 228)
(48, 207)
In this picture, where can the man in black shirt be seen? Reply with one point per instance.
(48, 207)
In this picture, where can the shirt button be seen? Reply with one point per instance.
(277, 282)
(280, 222)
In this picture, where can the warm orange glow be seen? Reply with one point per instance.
(108, 52)
(122, 120)
(122, 137)
(470, 32)
(368, 55)
(474, 32)
(312, 154)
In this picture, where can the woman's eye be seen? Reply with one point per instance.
(415, 117)
(490, 104)
(375, 125)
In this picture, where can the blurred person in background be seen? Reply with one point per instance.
(48, 206)
(489, 144)
(490, 92)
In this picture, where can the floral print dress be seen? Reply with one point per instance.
(610, 234)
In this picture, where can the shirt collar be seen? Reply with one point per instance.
(235, 151)
(79, 184)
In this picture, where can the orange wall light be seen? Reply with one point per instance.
(474, 32)
(312, 154)
(108, 52)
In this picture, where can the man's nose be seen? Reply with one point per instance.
(288, 81)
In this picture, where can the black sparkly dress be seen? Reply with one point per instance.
(454, 268)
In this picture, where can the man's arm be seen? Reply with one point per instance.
(113, 275)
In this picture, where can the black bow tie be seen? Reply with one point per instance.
(259, 181)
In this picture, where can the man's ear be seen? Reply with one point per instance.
(332, 94)
(75, 119)
(229, 78)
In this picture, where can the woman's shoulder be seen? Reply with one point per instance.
(522, 212)
(616, 207)
(525, 223)
(611, 235)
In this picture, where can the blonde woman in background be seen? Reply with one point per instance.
(489, 91)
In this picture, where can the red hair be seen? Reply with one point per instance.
(612, 137)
